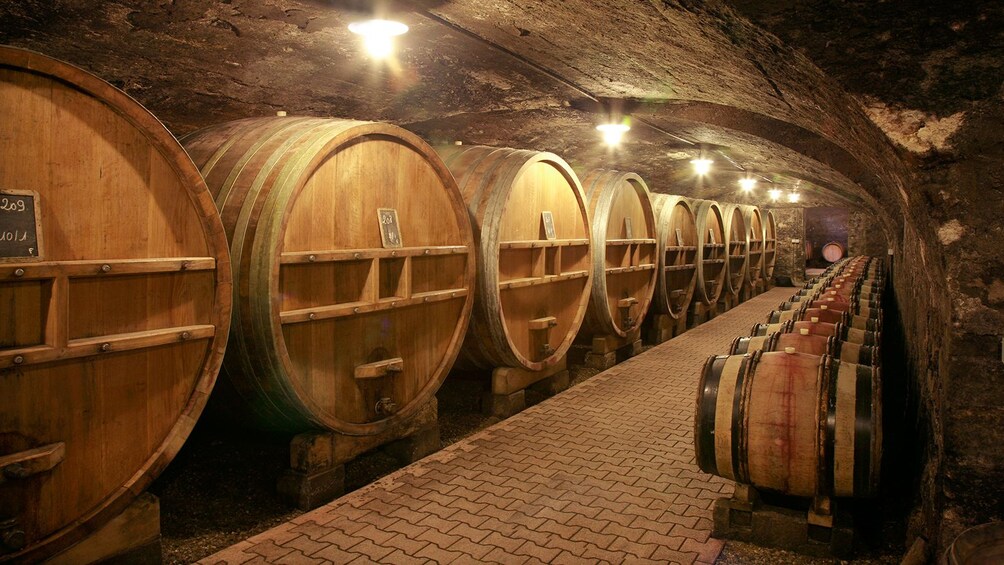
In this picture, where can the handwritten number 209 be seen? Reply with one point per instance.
(8, 205)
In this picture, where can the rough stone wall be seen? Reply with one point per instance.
(966, 189)
(790, 254)
(865, 235)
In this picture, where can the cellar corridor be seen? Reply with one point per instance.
(604, 471)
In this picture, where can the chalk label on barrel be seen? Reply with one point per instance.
(803, 331)
(547, 219)
(20, 234)
(390, 231)
(814, 319)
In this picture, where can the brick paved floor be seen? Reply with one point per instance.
(603, 472)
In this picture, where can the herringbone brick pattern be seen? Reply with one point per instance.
(602, 473)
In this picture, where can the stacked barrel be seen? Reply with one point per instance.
(796, 406)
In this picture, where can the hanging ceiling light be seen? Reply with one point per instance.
(378, 35)
(702, 165)
(794, 196)
(613, 133)
(775, 194)
(747, 184)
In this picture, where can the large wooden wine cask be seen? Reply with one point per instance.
(114, 302)
(353, 270)
(769, 245)
(677, 255)
(711, 252)
(737, 246)
(754, 227)
(534, 263)
(795, 423)
(624, 249)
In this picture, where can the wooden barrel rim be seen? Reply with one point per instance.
(175, 156)
(607, 181)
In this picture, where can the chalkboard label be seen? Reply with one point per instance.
(628, 229)
(19, 231)
(548, 221)
(390, 231)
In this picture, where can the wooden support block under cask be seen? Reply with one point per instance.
(750, 519)
(317, 459)
(609, 350)
(700, 313)
(507, 396)
(662, 327)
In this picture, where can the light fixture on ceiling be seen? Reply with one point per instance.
(702, 165)
(613, 133)
(378, 35)
(775, 194)
(747, 184)
(794, 197)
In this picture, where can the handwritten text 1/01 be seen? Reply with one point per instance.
(9, 205)
(16, 235)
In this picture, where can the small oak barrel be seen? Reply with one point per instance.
(769, 245)
(114, 302)
(534, 263)
(807, 343)
(737, 245)
(815, 327)
(353, 269)
(677, 255)
(799, 424)
(711, 252)
(979, 545)
(754, 227)
(624, 252)
(832, 252)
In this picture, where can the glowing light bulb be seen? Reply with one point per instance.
(793, 197)
(747, 184)
(613, 133)
(702, 166)
(378, 35)
(774, 194)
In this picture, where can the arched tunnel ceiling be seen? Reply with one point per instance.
(501, 72)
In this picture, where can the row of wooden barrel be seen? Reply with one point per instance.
(796, 407)
(343, 266)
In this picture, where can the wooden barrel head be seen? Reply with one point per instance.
(354, 267)
(754, 229)
(711, 252)
(737, 242)
(769, 244)
(534, 261)
(113, 313)
(832, 252)
(677, 254)
(624, 252)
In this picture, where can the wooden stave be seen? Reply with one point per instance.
(477, 169)
(600, 187)
(734, 281)
(296, 147)
(163, 143)
(665, 206)
(727, 388)
(702, 208)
